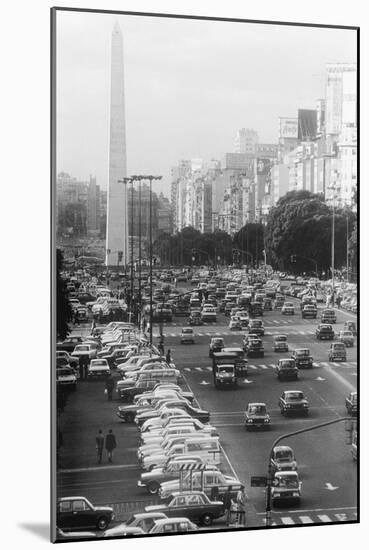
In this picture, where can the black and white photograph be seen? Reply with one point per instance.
(205, 201)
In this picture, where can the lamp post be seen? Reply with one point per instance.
(126, 181)
(268, 502)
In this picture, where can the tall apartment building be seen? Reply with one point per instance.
(246, 141)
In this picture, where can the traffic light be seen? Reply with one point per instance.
(293, 259)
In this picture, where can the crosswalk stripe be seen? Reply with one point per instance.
(353, 363)
(324, 518)
(187, 369)
(252, 367)
(208, 334)
(302, 332)
(208, 368)
(336, 364)
(199, 334)
(324, 364)
(341, 517)
(217, 333)
(198, 368)
(287, 521)
(263, 366)
(273, 366)
(306, 519)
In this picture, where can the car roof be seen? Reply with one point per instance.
(180, 493)
(165, 521)
(143, 515)
(282, 448)
(63, 499)
(256, 404)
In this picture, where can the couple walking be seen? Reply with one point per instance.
(110, 444)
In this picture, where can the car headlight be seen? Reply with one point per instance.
(249, 421)
(266, 420)
(295, 494)
(305, 405)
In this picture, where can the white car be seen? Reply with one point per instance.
(65, 376)
(98, 368)
(173, 525)
(288, 309)
(85, 350)
(187, 336)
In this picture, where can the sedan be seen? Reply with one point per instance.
(346, 337)
(288, 309)
(194, 505)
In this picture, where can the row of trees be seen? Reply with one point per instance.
(297, 238)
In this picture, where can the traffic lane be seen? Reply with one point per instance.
(324, 462)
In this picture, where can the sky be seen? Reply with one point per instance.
(189, 86)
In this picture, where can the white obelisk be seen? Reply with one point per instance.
(117, 213)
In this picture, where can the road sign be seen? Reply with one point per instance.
(258, 481)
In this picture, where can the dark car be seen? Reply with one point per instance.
(216, 344)
(141, 386)
(200, 414)
(256, 326)
(253, 346)
(78, 512)
(351, 403)
(287, 369)
(324, 332)
(194, 505)
(350, 325)
(195, 319)
(256, 416)
(256, 309)
(302, 358)
(337, 352)
(69, 343)
(293, 401)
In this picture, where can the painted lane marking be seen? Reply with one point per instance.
(252, 366)
(330, 487)
(287, 521)
(204, 383)
(306, 519)
(324, 518)
(341, 517)
(263, 367)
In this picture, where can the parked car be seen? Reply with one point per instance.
(171, 470)
(337, 352)
(302, 358)
(293, 401)
(283, 459)
(187, 336)
(324, 332)
(205, 481)
(346, 337)
(287, 369)
(194, 505)
(136, 524)
(280, 343)
(182, 404)
(68, 344)
(78, 512)
(64, 358)
(85, 350)
(173, 525)
(65, 376)
(256, 416)
(351, 403)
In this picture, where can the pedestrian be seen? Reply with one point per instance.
(338, 301)
(110, 444)
(228, 504)
(109, 386)
(86, 362)
(161, 347)
(168, 357)
(80, 362)
(240, 502)
(99, 445)
(214, 495)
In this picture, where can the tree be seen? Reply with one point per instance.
(63, 308)
(301, 225)
(250, 240)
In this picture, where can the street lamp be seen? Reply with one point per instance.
(151, 178)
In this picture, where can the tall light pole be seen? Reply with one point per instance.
(151, 178)
(126, 181)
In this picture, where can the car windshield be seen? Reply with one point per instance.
(296, 395)
(280, 338)
(217, 341)
(287, 481)
(284, 454)
(339, 346)
(98, 362)
(82, 348)
(347, 333)
(257, 409)
(226, 369)
(64, 372)
(302, 352)
(288, 363)
(130, 521)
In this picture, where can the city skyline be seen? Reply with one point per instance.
(186, 96)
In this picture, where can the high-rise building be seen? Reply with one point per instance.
(245, 141)
(93, 208)
(117, 214)
(340, 96)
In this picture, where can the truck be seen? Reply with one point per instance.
(228, 367)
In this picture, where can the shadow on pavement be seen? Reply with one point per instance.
(40, 529)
